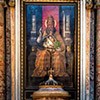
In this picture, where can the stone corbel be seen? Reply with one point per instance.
(89, 4)
(12, 3)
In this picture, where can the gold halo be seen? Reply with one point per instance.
(55, 23)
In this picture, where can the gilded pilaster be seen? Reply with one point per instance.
(12, 16)
(2, 53)
(98, 51)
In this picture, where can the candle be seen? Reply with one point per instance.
(67, 23)
(33, 24)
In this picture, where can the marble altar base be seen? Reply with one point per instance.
(51, 92)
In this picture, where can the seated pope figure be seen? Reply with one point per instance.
(53, 54)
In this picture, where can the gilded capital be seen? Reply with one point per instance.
(2, 2)
(97, 4)
(89, 4)
(12, 3)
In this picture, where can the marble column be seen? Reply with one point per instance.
(98, 51)
(12, 21)
(2, 53)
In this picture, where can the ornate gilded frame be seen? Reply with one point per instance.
(19, 51)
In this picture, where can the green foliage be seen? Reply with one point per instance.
(57, 44)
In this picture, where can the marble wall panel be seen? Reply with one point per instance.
(12, 12)
(92, 54)
(2, 55)
(8, 54)
(98, 53)
(88, 14)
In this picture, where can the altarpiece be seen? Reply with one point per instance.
(49, 40)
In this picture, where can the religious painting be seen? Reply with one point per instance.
(50, 45)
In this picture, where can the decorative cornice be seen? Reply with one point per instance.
(89, 4)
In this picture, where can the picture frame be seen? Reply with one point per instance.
(26, 79)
